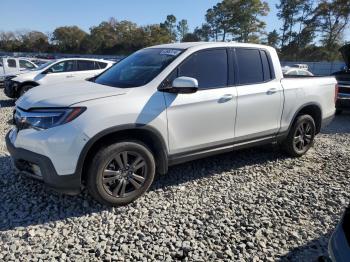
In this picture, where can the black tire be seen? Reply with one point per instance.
(112, 182)
(301, 136)
(24, 89)
(338, 111)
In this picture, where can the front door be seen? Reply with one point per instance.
(204, 119)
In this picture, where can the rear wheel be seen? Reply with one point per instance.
(121, 173)
(301, 136)
(24, 89)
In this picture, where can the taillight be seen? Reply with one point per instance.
(336, 93)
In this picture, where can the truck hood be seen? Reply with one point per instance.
(345, 51)
(66, 94)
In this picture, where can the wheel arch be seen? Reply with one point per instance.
(312, 109)
(25, 83)
(145, 134)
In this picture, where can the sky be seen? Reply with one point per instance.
(45, 16)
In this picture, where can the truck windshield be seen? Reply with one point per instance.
(139, 68)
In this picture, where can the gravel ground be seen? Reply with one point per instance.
(248, 205)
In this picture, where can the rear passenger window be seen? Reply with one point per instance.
(266, 66)
(101, 65)
(85, 65)
(250, 70)
(209, 67)
(11, 63)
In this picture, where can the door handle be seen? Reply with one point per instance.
(225, 98)
(70, 76)
(272, 91)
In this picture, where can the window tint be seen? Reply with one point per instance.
(84, 65)
(25, 64)
(266, 66)
(250, 70)
(64, 66)
(209, 67)
(11, 63)
(101, 65)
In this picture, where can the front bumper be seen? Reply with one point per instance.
(343, 102)
(24, 159)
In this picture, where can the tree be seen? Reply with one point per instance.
(68, 38)
(191, 37)
(239, 18)
(35, 41)
(333, 18)
(182, 28)
(170, 24)
(273, 38)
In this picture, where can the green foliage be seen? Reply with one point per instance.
(182, 28)
(68, 38)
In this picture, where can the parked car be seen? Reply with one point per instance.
(301, 66)
(343, 78)
(291, 71)
(162, 106)
(56, 71)
(339, 244)
(10, 67)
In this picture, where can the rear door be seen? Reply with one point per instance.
(204, 119)
(260, 95)
(87, 69)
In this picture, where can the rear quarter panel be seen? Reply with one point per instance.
(300, 92)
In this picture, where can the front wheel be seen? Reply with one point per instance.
(301, 136)
(121, 173)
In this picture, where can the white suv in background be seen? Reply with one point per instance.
(58, 71)
(162, 106)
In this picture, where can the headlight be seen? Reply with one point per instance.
(45, 118)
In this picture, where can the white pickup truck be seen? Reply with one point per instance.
(11, 66)
(161, 106)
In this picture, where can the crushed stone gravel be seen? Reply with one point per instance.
(249, 205)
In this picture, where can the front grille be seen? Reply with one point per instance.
(344, 90)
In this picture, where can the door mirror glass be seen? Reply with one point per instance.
(184, 85)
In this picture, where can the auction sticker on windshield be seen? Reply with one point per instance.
(171, 52)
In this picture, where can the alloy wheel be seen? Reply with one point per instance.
(124, 174)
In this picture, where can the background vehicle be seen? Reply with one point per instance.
(162, 106)
(10, 67)
(343, 78)
(339, 245)
(57, 71)
(291, 71)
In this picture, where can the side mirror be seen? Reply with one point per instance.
(47, 71)
(184, 85)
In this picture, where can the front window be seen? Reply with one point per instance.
(25, 64)
(64, 66)
(139, 68)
